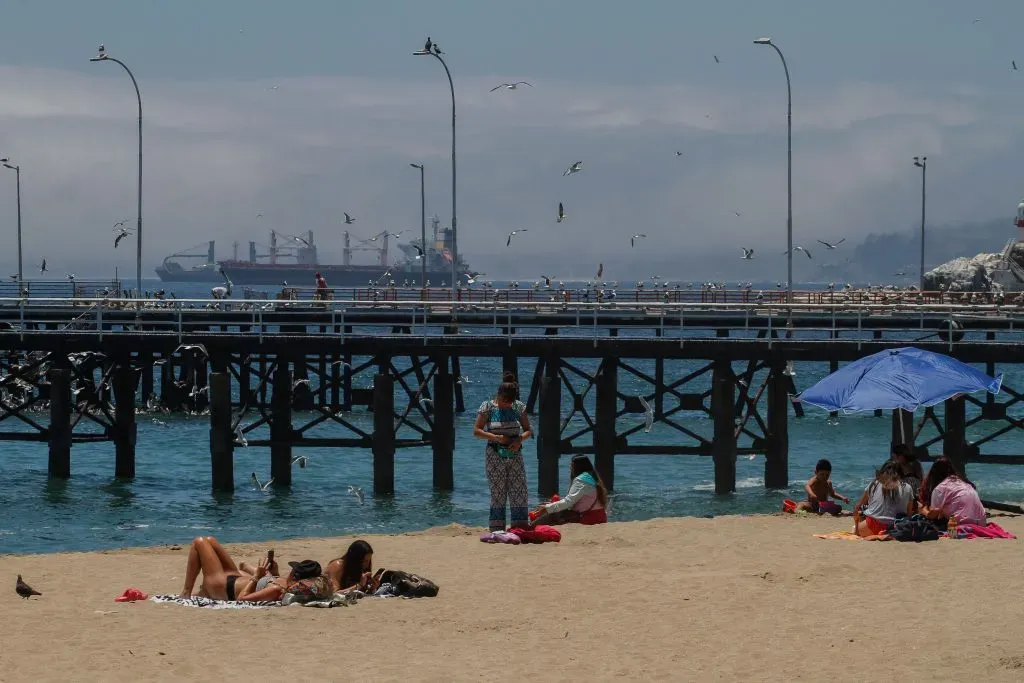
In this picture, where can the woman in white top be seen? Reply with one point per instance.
(584, 504)
(884, 498)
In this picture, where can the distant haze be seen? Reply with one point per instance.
(622, 88)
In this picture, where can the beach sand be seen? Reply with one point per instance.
(731, 599)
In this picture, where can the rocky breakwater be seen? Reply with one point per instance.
(1003, 271)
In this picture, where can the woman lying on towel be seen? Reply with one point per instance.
(353, 571)
(584, 504)
(223, 580)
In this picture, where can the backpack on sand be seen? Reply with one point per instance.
(410, 585)
(915, 528)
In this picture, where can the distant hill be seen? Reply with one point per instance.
(881, 256)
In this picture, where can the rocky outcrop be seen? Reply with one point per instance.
(982, 273)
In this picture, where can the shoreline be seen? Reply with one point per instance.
(735, 597)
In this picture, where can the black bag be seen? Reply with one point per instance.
(408, 585)
(915, 528)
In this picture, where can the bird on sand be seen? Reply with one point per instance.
(348, 219)
(24, 590)
(831, 246)
(634, 238)
(509, 240)
(561, 213)
(747, 253)
(511, 86)
(574, 167)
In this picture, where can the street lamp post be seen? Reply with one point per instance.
(436, 53)
(922, 163)
(789, 170)
(102, 56)
(423, 227)
(17, 175)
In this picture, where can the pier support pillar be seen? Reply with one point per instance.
(902, 428)
(443, 437)
(281, 425)
(510, 363)
(146, 362)
(383, 432)
(776, 461)
(222, 438)
(125, 428)
(59, 433)
(549, 434)
(605, 432)
(460, 403)
(724, 444)
(954, 440)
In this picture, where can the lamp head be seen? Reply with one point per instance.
(422, 52)
(763, 41)
(419, 166)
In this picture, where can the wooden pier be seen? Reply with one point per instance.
(288, 368)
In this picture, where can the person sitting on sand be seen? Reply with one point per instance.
(221, 575)
(819, 489)
(584, 504)
(947, 493)
(884, 498)
(353, 571)
(913, 473)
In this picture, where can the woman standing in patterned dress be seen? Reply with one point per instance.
(502, 422)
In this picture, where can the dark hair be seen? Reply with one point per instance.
(890, 477)
(902, 450)
(352, 563)
(941, 470)
(581, 465)
(508, 390)
(823, 465)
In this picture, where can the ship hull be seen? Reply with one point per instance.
(303, 276)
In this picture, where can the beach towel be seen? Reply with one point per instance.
(990, 530)
(839, 536)
(210, 603)
(538, 534)
(500, 537)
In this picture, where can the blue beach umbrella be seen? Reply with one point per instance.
(904, 379)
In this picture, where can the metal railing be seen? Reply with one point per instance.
(806, 322)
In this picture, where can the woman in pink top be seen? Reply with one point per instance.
(946, 493)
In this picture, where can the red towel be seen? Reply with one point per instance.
(542, 533)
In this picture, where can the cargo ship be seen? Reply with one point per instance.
(291, 260)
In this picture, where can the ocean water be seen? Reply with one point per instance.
(170, 500)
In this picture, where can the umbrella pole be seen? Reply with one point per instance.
(903, 435)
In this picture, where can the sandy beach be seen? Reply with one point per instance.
(731, 598)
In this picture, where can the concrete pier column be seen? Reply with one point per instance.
(605, 431)
(724, 444)
(443, 437)
(125, 428)
(383, 432)
(281, 425)
(776, 462)
(222, 438)
(954, 440)
(59, 433)
(549, 429)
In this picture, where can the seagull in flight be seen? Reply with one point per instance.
(798, 248)
(1013, 63)
(831, 246)
(299, 382)
(561, 213)
(747, 253)
(678, 153)
(300, 460)
(575, 167)
(509, 240)
(634, 238)
(42, 267)
(342, 364)
(299, 240)
(241, 440)
(192, 347)
(419, 252)
(716, 59)
(121, 234)
(259, 486)
(348, 219)
(648, 414)
(358, 493)
(511, 86)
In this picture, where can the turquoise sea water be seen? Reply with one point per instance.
(170, 499)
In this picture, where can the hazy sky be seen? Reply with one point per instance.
(621, 86)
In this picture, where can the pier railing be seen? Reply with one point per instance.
(772, 323)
